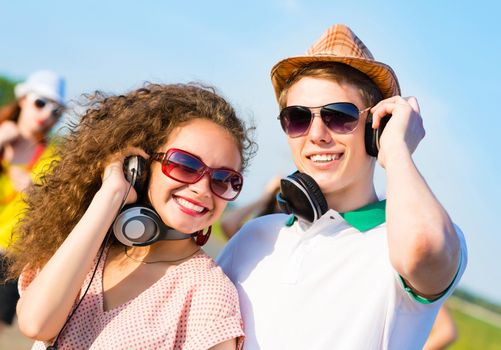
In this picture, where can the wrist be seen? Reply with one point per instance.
(112, 193)
(397, 157)
(396, 151)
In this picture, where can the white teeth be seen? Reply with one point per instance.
(324, 157)
(190, 205)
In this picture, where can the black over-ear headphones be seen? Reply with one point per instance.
(138, 224)
(300, 195)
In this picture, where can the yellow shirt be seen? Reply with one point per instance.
(11, 201)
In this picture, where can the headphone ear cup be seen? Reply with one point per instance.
(370, 137)
(135, 172)
(301, 196)
(137, 225)
(315, 192)
(282, 202)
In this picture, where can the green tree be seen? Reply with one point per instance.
(6, 90)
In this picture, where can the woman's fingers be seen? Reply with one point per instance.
(113, 173)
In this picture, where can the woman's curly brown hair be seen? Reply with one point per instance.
(143, 118)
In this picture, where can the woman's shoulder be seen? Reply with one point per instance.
(207, 277)
(205, 268)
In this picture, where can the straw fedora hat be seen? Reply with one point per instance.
(338, 44)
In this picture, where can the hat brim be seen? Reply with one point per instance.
(22, 89)
(381, 74)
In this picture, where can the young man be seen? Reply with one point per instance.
(366, 274)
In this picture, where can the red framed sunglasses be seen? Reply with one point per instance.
(187, 168)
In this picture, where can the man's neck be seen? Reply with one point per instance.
(350, 199)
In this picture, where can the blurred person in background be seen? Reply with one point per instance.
(443, 333)
(25, 152)
(233, 219)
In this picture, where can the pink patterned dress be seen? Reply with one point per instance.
(193, 306)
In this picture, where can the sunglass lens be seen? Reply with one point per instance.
(341, 118)
(295, 120)
(226, 183)
(57, 112)
(184, 167)
(40, 103)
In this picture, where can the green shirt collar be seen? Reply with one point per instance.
(367, 217)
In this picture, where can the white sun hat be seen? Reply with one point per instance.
(46, 83)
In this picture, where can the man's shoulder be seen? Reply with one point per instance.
(266, 224)
(260, 230)
(251, 243)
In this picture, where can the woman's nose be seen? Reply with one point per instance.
(202, 186)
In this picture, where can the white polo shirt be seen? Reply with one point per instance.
(329, 285)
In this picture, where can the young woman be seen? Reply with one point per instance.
(25, 152)
(164, 295)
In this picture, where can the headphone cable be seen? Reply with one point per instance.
(103, 247)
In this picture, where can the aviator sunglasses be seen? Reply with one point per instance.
(187, 168)
(56, 110)
(340, 117)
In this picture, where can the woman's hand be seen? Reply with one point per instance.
(21, 179)
(404, 130)
(8, 132)
(113, 175)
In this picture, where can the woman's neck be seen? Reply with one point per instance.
(164, 250)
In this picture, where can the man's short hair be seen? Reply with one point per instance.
(339, 73)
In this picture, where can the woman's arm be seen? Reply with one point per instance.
(227, 345)
(46, 303)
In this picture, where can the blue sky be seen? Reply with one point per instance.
(445, 53)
